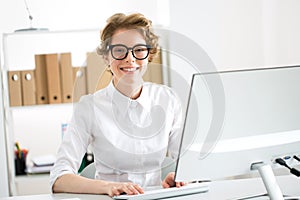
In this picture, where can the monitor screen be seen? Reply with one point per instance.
(235, 119)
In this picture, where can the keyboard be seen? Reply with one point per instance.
(160, 193)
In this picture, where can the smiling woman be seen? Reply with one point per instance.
(122, 34)
(128, 120)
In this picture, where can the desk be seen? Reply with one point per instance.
(223, 189)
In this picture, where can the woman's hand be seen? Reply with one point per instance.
(117, 188)
(169, 181)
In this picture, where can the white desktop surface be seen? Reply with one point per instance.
(223, 189)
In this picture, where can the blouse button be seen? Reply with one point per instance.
(133, 104)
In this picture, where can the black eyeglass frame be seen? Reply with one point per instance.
(110, 47)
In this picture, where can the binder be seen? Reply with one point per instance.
(41, 79)
(104, 79)
(95, 68)
(155, 68)
(28, 87)
(14, 86)
(53, 78)
(79, 85)
(147, 75)
(66, 77)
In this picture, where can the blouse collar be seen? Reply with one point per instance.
(123, 101)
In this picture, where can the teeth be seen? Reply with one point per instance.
(129, 69)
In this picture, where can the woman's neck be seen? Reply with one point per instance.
(131, 90)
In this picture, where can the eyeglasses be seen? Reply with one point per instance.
(120, 51)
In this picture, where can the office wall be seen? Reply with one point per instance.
(281, 30)
(236, 34)
(72, 14)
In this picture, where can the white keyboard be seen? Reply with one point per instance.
(191, 188)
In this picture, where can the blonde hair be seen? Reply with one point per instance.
(135, 21)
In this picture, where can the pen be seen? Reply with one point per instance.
(18, 149)
(24, 153)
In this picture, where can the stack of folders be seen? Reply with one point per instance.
(51, 82)
(41, 164)
(55, 80)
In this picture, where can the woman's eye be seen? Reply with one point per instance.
(119, 50)
(140, 49)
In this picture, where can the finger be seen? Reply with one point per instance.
(165, 184)
(114, 192)
(170, 180)
(183, 183)
(132, 189)
(139, 189)
(127, 189)
(180, 184)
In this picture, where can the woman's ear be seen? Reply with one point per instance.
(150, 58)
(105, 58)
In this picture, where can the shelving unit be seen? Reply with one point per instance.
(38, 127)
(4, 189)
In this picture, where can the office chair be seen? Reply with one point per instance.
(89, 171)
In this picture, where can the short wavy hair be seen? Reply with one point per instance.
(135, 21)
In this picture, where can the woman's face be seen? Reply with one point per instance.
(130, 69)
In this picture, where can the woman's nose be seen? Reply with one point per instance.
(130, 57)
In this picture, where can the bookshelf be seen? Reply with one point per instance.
(38, 127)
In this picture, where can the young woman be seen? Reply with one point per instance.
(131, 125)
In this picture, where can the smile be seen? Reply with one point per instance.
(129, 69)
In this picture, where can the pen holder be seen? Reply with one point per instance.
(20, 164)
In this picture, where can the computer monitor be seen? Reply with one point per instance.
(237, 121)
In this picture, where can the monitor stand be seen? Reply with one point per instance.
(269, 180)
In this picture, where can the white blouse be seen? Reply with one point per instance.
(129, 138)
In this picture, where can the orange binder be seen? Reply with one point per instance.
(28, 87)
(155, 69)
(53, 78)
(95, 68)
(104, 79)
(15, 89)
(147, 75)
(79, 86)
(66, 75)
(41, 79)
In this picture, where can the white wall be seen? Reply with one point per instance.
(281, 32)
(236, 34)
(70, 14)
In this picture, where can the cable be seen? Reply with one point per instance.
(296, 158)
(29, 14)
(294, 171)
